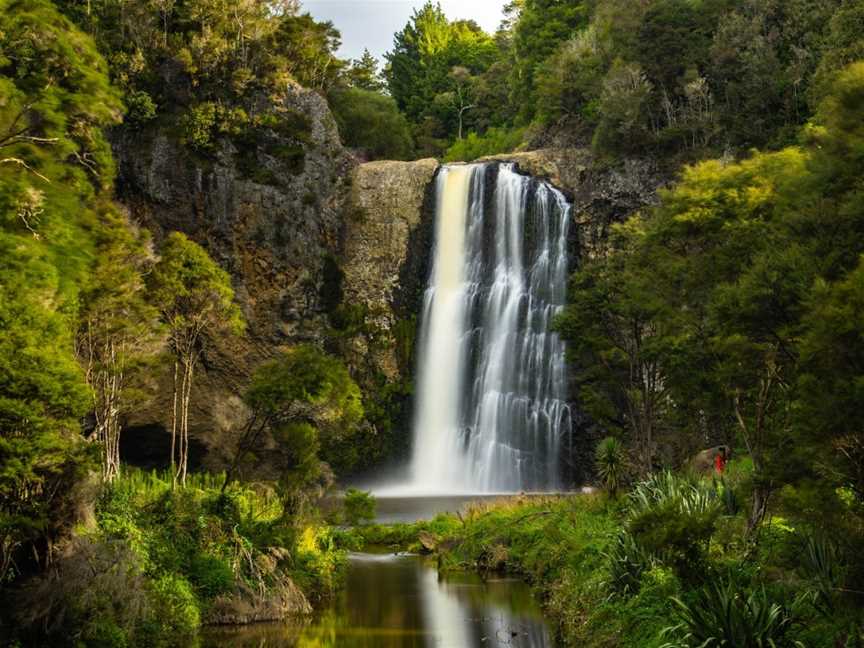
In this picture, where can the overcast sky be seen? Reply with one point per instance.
(372, 23)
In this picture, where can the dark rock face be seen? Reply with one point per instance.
(602, 194)
(272, 221)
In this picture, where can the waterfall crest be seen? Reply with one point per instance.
(491, 409)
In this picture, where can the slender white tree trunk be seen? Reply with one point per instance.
(174, 429)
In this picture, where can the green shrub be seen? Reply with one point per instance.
(320, 562)
(103, 633)
(204, 123)
(673, 519)
(493, 142)
(720, 615)
(626, 563)
(198, 126)
(728, 498)
(609, 460)
(140, 107)
(211, 575)
(371, 121)
(359, 507)
(175, 608)
(822, 562)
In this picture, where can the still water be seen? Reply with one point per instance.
(399, 601)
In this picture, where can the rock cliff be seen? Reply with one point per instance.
(386, 249)
(602, 194)
(272, 221)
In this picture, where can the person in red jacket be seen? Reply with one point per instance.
(720, 462)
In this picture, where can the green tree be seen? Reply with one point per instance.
(117, 331)
(309, 403)
(569, 82)
(306, 49)
(195, 300)
(371, 122)
(540, 27)
(616, 340)
(364, 74)
(624, 109)
(431, 68)
(832, 380)
(843, 45)
(734, 281)
(42, 398)
(55, 165)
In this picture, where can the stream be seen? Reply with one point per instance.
(400, 601)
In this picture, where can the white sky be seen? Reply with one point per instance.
(372, 23)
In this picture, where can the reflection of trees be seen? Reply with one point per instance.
(381, 607)
(506, 593)
(272, 635)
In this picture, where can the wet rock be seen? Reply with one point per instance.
(427, 541)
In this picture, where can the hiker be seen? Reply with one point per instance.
(720, 461)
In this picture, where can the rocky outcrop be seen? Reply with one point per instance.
(268, 208)
(602, 193)
(387, 238)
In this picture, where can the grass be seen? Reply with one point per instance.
(577, 551)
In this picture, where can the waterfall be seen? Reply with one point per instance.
(491, 409)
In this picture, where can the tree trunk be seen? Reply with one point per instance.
(247, 441)
(185, 396)
(174, 429)
(761, 496)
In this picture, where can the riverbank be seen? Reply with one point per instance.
(155, 564)
(668, 565)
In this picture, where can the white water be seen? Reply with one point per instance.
(491, 412)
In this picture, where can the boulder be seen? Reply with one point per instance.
(703, 463)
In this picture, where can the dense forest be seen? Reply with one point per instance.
(727, 312)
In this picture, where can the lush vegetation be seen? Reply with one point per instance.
(681, 77)
(711, 316)
(90, 306)
(161, 561)
(729, 314)
(668, 564)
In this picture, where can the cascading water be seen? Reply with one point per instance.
(491, 406)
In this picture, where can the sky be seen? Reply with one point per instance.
(372, 23)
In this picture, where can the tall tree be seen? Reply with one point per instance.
(195, 299)
(540, 28)
(117, 331)
(430, 66)
(55, 168)
(364, 73)
(617, 345)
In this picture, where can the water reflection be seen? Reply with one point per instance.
(399, 602)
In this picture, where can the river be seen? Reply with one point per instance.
(401, 601)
